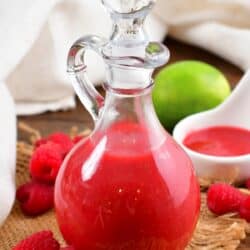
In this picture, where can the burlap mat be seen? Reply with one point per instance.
(224, 232)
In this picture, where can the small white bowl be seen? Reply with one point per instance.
(235, 111)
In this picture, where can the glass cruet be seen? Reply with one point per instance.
(128, 186)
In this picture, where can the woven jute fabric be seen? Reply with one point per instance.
(224, 232)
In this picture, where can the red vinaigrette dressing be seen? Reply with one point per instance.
(219, 141)
(119, 194)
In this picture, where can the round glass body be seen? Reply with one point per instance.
(128, 186)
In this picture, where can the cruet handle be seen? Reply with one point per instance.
(76, 68)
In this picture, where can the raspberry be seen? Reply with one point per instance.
(40, 241)
(45, 162)
(245, 209)
(77, 138)
(63, 140)
(68, 248)
(35, 198)
(223, 198)
(59, 138)
(247, 184)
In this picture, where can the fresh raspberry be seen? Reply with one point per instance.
(35, 198)
(59, 138)
(77, 138)
(39, 241)
(223, 198)
(247, 184)
(63, 140)
(68, 248)
(45, 162)
(245, 209)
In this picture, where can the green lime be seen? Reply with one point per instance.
(185, 88)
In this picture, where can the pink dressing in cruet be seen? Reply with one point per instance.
(128, 186)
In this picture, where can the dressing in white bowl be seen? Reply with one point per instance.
(235, 111)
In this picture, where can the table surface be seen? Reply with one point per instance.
(63, 121)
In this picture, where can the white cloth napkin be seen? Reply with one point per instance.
(220, 26)
(37, 43)
(35, 36)
(7, 152)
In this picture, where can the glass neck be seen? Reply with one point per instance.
(129, 56)
(124, 50)
(126, 80)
